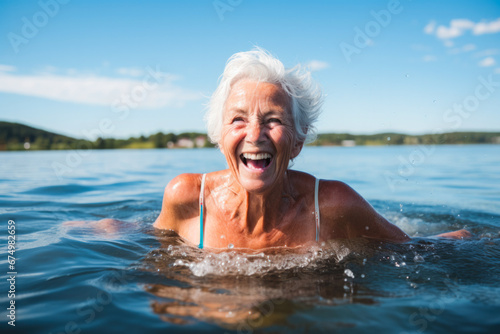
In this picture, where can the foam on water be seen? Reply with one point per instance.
(237, 263)
(244, 262)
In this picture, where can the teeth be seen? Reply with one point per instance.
(258, 156)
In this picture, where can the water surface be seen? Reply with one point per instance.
(132, 278)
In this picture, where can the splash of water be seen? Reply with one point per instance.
(252, 263)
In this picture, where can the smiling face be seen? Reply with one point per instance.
(258, 136)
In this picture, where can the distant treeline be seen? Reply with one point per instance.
(346, 139)
(17, 137)
(450, 138)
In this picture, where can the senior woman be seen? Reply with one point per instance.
(260, 116)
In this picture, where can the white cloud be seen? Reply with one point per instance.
(461, 24)
(487, 62)
(130, 71)
(429, 28)
(152, 91)
(458, 27)
(7, 68)
(428, 58)
(317, 65)
(487, 28)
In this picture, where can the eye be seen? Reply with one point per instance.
(237, 119)
(274, 120)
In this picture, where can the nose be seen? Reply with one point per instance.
(255, 133)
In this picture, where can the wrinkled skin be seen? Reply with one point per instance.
(257, 119)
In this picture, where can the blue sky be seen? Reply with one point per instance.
(126, 68)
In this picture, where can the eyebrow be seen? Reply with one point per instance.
(277, 110)
(236, 111)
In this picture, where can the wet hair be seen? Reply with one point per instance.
(261, 66)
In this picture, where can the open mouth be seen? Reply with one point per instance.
(256, 161)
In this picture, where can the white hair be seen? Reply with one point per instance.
(261, 66)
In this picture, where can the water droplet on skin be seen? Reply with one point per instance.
(230, 246)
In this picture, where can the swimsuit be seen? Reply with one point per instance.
(202, 197)
(202, 190)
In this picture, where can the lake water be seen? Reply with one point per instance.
(134, 279)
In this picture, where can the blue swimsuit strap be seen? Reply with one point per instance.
(202, 190)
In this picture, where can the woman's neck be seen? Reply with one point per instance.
(261, 212)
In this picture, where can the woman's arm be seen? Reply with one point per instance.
(354, 214)
(179, 203)
(351, 216)
(108, 227)
(460, 234)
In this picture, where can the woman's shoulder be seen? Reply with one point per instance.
(339, 198)
(327, 188)
(183, 189)
(300, 178)
(335, 188)
(334, 197)
(348, 215)
(180, 201)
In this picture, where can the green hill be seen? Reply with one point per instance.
(15, 137)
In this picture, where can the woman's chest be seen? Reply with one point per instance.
(292, 227)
